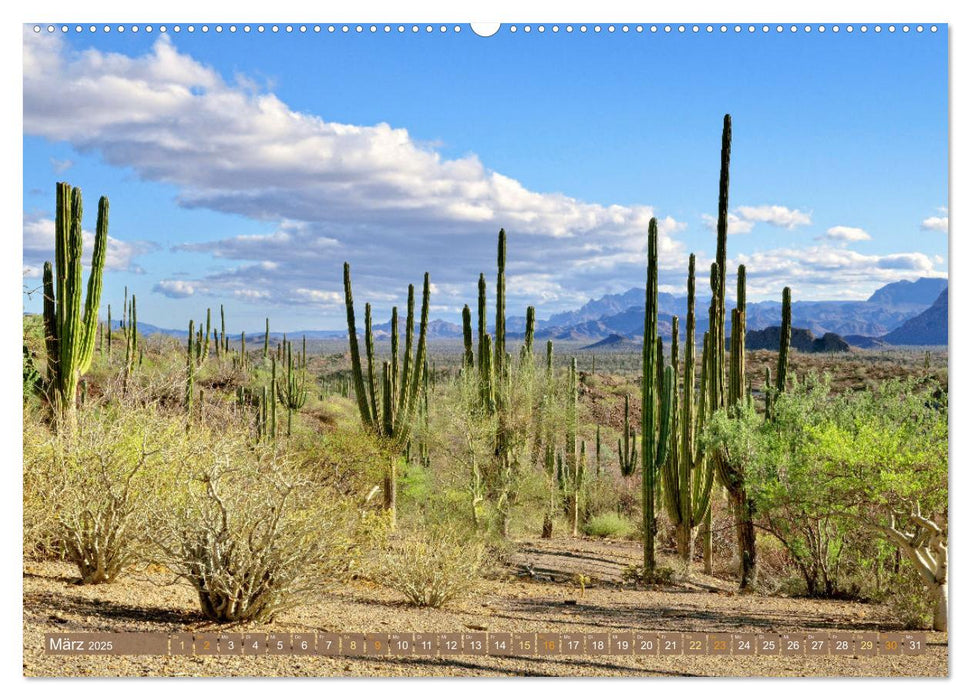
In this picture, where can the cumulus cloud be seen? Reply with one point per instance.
(370, 194)
(847, 233)
(829, 272)
(743, 219)
(38, 236)
(736, 224)
(175, 289)
(326, 192)
(935, 223)
(60, 166)
(775, 215)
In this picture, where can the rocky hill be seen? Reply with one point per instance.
(927, 328)
(802, 339)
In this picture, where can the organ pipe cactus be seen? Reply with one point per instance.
(391, 416)
(785, 338)
(190, 371)
(292, 389)
(656, 403)
(731, 474)
(131, 337)
(627, 444)
(468, 359)
(70, 328)
(549, 461)
(688, 475)
(390, 419)
(500, 329)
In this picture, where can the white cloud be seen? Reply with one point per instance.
(370, 194)
(775, 215)
(743, 219)
(935, 223)
(175, 289)
(38, 237)
(60, 166)
(736, 224)
(829, 272)
(847, 233)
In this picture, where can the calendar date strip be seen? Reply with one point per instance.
(519, 644)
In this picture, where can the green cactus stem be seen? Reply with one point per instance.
(656, 402)
(785, 338)
(688, 475)
(71, 328)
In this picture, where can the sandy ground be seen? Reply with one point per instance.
(539, 597)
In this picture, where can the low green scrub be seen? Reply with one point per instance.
(609, 525)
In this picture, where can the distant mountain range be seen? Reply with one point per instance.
(900, 313)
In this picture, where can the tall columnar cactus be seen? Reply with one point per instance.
(272, 398)
(209, 329)
(785, 338)
(220, 337)
(598, 454)
(572, 453)
(69, 327)
(527, 349)
(266, 339)
(292, 389)
(627, 444)
(721, 260)
(131, 336)
(390, 415)
(688, 475)
(109, 331)
(190, 373)
(577, 475)
(500, 329)
(736, 372)
(732, 474)
(656, 402)
(468, 358)
(548, 439)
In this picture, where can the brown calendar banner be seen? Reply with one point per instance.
(520, 644)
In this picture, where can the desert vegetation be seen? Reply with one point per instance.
(261, 475)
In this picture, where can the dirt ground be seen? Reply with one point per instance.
(540, 594)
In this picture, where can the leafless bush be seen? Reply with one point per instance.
(431, 568)
(87, 490)
(250, 536)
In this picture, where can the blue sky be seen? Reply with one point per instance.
(244, 169)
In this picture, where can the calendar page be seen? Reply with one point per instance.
(520, 349)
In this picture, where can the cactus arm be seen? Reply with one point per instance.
(359, 389)
(422, 351)
(50, 327)
(93, 299)
(394, 357)
(530, 329)
(369, 351)
(469, 357)
(649, 399)
(409, 350)
(782, 370)
(500, 330)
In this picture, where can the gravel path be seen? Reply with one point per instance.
(53, 602)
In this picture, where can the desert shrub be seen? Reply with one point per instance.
(609, 524)
(431, 567)
(251, 535)
(87, 490)
(908, 600)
